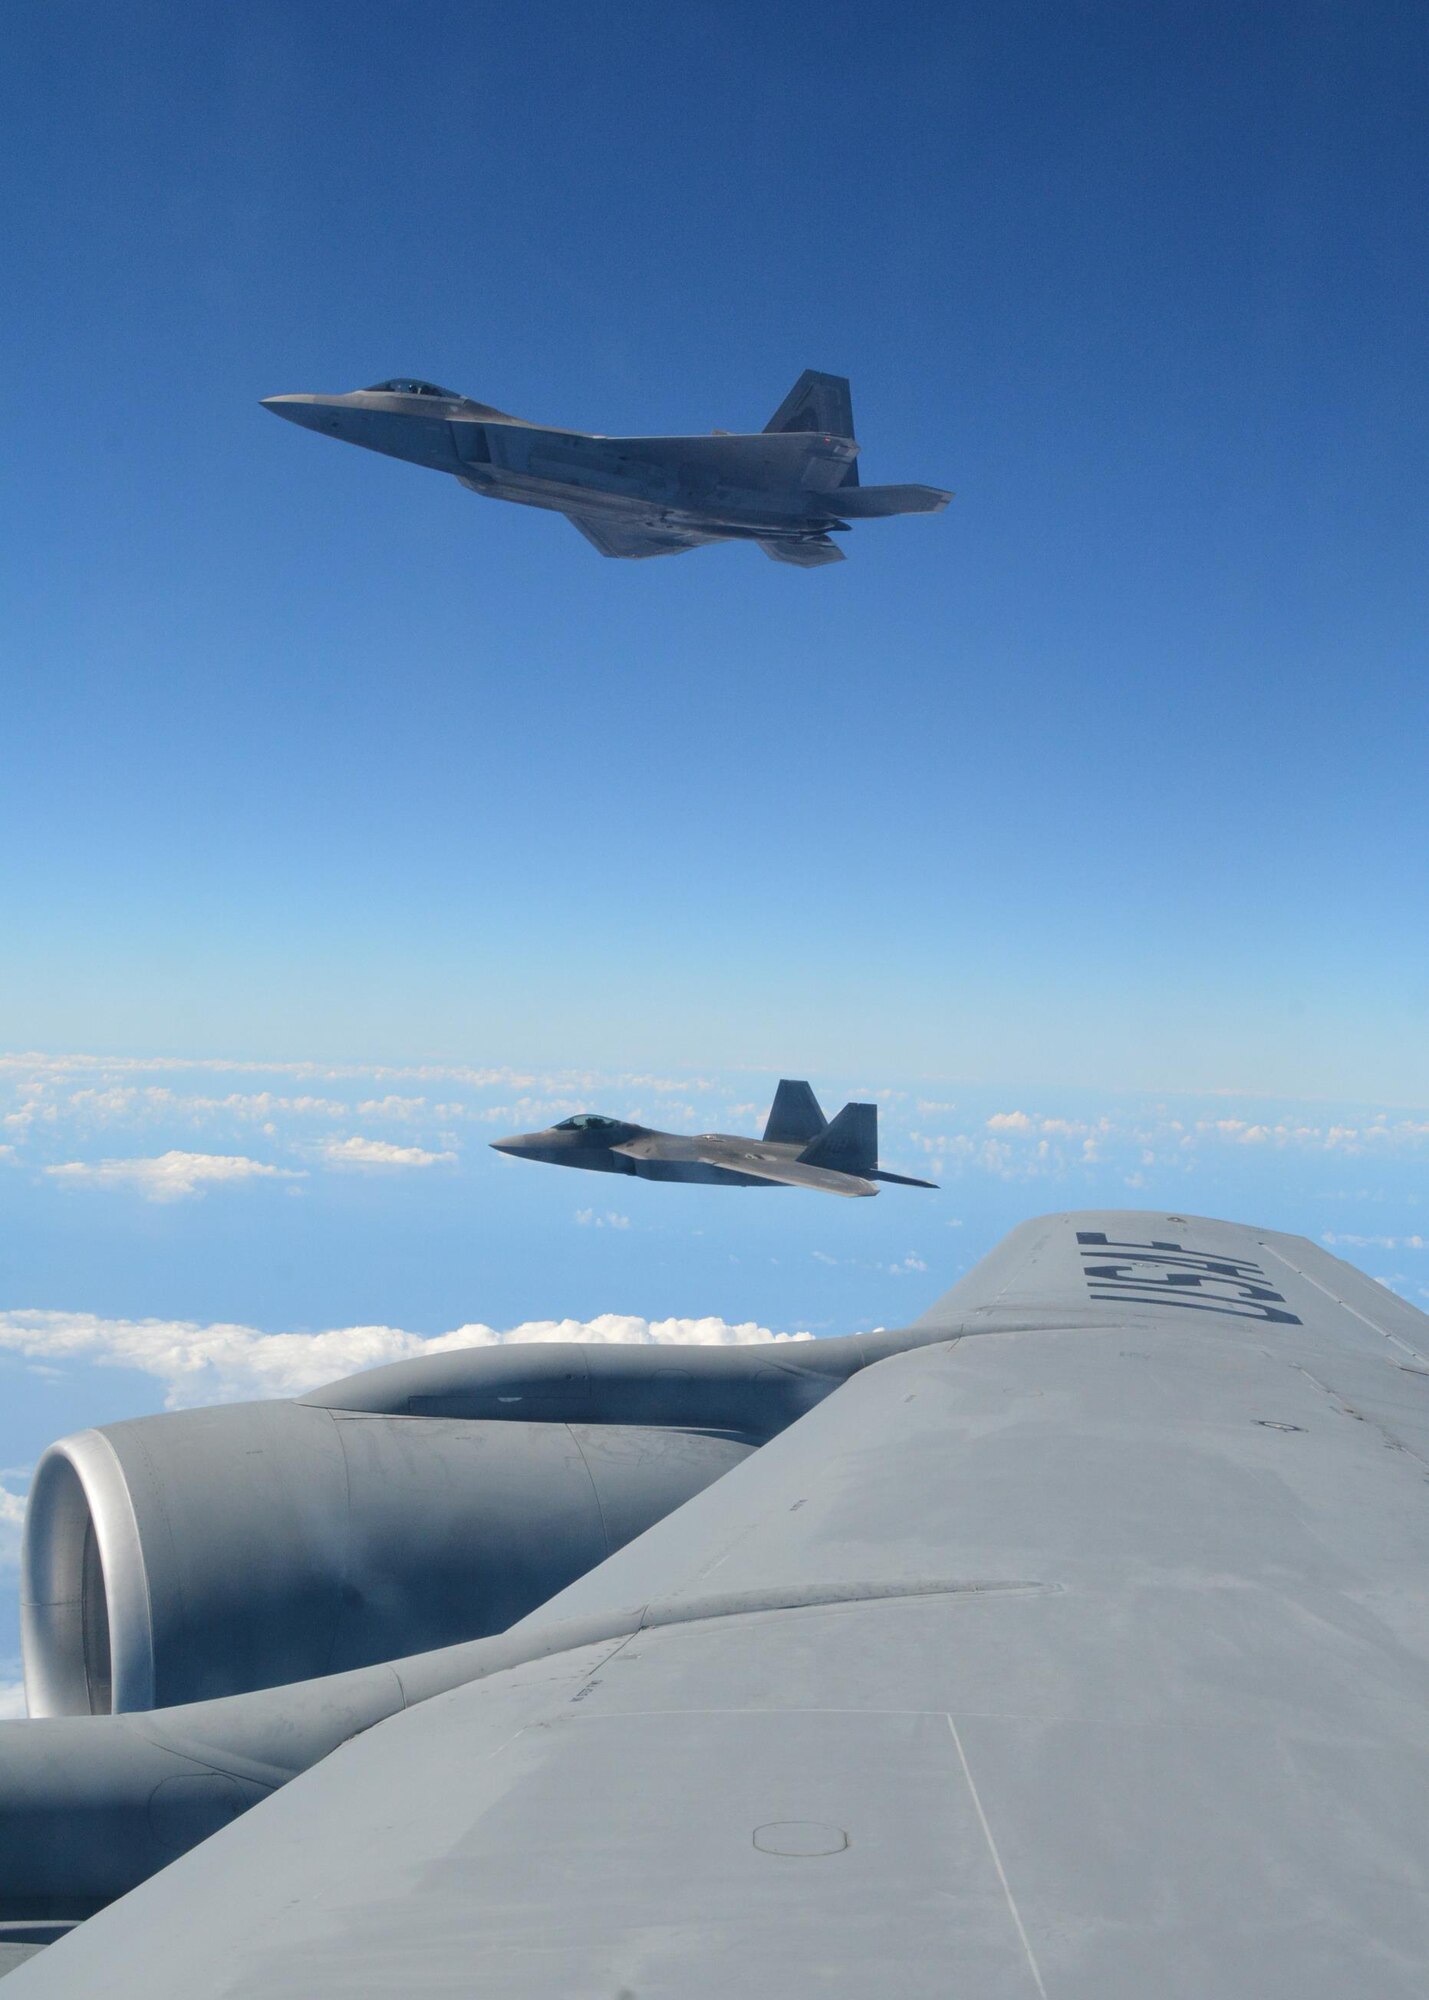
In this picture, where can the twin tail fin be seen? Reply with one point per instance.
(794, 1117)
(850, 1145)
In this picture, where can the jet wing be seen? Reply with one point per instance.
(624, 535)
(1082, 1651)
(760, 1166)
(790, 1173)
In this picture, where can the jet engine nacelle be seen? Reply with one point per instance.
(209, 1552)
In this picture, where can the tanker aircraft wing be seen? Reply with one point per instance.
(1075, 1644)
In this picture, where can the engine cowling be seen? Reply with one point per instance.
(202, 1553)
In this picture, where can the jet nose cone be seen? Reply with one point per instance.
(515, 1144)
(302, 410)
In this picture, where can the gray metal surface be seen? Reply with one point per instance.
(1080, 1652)
(19, 1942)
(799, 1149)
(261, 1543)
(246, 1536)
(788, 487)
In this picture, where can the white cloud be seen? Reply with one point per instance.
(357, 1152)
(220, 1362)
(170, 1176)
(12, 1515)
(1009, 1121)
(1376, 1242)
(588, 1219)
(12, 1701)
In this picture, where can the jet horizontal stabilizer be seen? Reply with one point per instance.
(869, 503)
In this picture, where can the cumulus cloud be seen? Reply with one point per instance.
(357, 1152)
(168, 1176)
(1009, 1121)
(589, 1219)
(12, 1515)
(202, 1363)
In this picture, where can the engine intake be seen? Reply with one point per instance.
(209, 1552)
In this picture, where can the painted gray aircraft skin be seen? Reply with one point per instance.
(800, 1148)
(1071, 1643)
(788, 487)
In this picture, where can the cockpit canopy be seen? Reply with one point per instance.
(587, 1121)
(407, 385)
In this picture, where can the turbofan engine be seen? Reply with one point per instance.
(209, 1552)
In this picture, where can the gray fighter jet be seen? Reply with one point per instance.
(800, 1148)
(787, 487)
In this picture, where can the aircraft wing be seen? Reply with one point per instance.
(790, 1173)
(622, 535)
(1080, 1651)
(760, 1166)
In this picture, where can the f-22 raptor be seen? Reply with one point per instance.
(800, 1148)
(789, 487)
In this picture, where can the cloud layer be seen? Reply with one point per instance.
(357, 1152)
(216, 1363)
(71, 1117)
(169, 1176)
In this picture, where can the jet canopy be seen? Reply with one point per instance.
(407, 385)
(587, 1121)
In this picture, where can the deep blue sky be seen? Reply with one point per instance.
(1112, 775)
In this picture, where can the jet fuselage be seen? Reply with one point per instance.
(788, 488)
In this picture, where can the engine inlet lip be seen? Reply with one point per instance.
(79, 1487)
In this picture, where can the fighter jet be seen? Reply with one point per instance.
(800, 1148)
(787, 487)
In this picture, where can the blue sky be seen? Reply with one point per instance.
(1113, 774)
(1103, 789)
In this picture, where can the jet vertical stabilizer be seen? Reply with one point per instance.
(850, 1144)
(818, 403)
(794, 1116)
